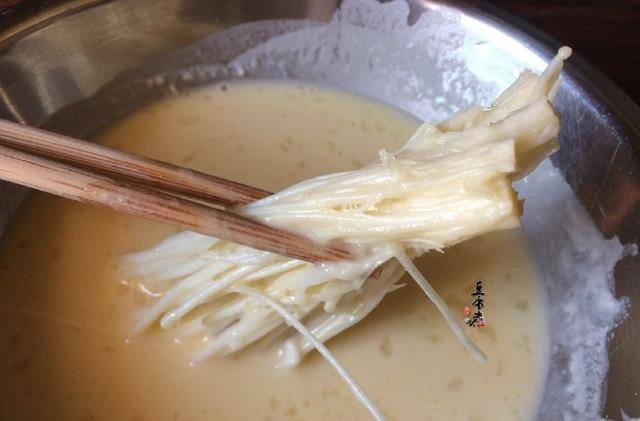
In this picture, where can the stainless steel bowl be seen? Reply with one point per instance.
(74, 66)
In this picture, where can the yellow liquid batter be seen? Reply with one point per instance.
(65, 317)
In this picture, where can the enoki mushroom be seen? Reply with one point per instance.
(450, 182)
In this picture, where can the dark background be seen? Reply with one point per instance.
(605, 32)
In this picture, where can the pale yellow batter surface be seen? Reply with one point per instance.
(65, 317)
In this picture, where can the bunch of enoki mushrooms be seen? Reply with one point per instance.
(450, 182)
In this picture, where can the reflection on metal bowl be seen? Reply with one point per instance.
(75, 66)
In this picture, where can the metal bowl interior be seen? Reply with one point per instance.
(75, 66)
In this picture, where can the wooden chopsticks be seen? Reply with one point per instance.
(150, 189)
(141, 170)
